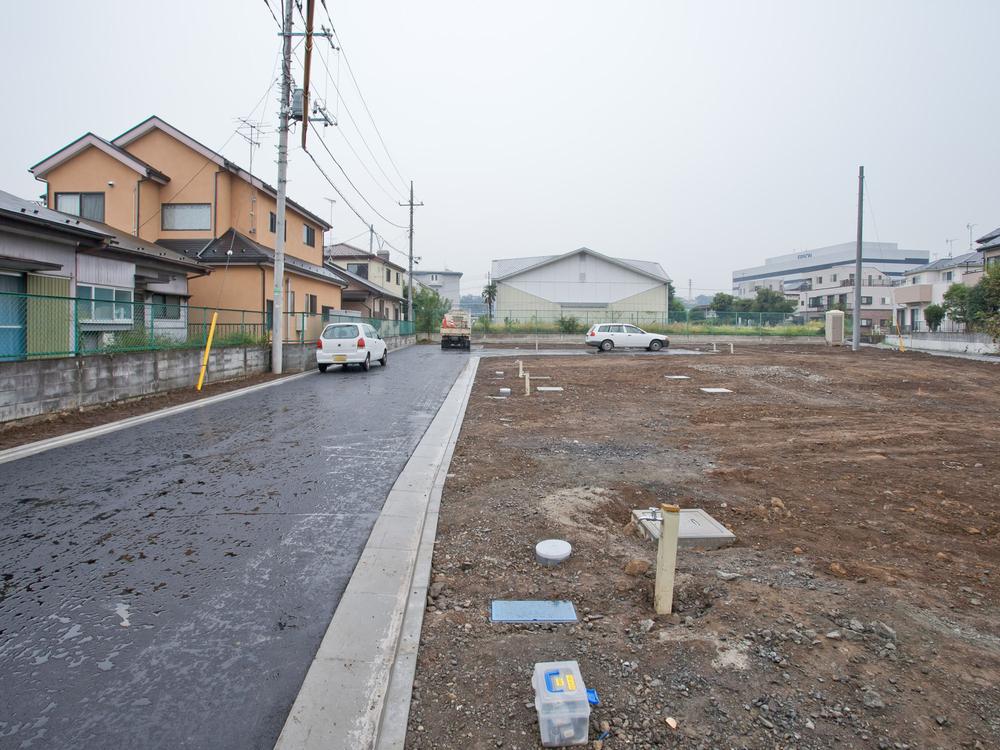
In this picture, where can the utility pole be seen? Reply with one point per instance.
(371, 239)
(690, 292)
(279, 242)
(856, 318)
(409, 286)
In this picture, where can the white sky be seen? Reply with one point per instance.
(703, 135)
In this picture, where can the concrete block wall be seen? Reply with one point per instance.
(37, 387)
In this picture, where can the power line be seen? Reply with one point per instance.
(384, 218)
(361, 95)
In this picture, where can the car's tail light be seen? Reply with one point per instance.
(361, 343)
(592, 332)
(319, 343)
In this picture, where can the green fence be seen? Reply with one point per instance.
(34, 326)
(694, 322)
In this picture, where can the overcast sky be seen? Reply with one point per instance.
(703, 135)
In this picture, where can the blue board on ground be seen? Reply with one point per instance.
(532, 611)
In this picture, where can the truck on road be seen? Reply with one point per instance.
(456, 330)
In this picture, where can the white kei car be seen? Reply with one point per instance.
(607, 336)
(350, 344)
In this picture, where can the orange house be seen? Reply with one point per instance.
(162, 185)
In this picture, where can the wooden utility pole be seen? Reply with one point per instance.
(856, 318)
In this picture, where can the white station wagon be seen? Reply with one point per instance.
(607, 336)
(350, 344)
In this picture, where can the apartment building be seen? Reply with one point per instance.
(834, 290)
(161, 185)
(446, 283)
(927, 285)
(375, 282)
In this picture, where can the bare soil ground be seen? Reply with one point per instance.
(858, 608)
(52, 425)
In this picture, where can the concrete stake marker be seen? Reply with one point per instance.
(527, 384)
(666, 559)
(715, 390)
(549, 388)
(677, 377)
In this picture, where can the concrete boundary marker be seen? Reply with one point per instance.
(356, 694)
(30, 449)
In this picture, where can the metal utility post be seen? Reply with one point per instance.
(856, 318)
(371, 239)
(279, 243)
(409, 286)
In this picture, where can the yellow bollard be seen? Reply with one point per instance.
(208, 349)
(899, 338)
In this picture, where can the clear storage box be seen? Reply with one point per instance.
(561, 703)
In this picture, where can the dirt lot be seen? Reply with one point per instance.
(52, 425)
(863, 490)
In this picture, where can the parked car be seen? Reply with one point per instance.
(607, 336)
(350, 344)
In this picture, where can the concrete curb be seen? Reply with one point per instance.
(354, 691)
(30, 449)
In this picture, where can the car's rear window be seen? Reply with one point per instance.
(343, 331)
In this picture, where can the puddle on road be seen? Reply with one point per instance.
(122, 611)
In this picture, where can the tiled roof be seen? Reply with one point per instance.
(245, 251)
(942, 264)
(989, 241)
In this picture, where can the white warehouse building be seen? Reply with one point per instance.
(582, 284)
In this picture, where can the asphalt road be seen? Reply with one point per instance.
(166, 586)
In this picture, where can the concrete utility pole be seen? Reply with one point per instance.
(856, 318)
(409, 286)
(279, 243)
(371, 239)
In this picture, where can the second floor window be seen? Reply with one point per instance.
(85, 205)
(359, 269)
(186, 216)
(397, 277)
(388, 276)
(309, 235)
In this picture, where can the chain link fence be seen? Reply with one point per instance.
(34, 326)
(690, 322)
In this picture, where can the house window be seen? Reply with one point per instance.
(358, 269)
(866, 322)
(866, 300)
(186, 216)
(819, 279)
(99, 304)
(166, 307)
(833, 277)
(309, 235)
(388, 276)
(434, 277)
(915, 280)
(397, 277)
(815, 302)
(85, 205)
(885, 300)
(312, 304)
(948, 275)
(273, 223)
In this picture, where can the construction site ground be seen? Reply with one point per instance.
(857, 609)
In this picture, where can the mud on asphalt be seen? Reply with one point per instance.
(858, 608)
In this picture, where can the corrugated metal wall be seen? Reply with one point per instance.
(49, 321)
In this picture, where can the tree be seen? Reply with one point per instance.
(934, 314)
(429, 308)
(722, 302)
(673, 304)
(958, 304)
(490, 296)
(769, 300)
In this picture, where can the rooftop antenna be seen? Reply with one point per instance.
(251, 131)
(950, 243)
(970, 227)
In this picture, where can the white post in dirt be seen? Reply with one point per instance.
(732, 349)
(527, 384)
(714, 348)
(666, 559)
(520, 369)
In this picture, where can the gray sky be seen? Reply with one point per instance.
(703, 135)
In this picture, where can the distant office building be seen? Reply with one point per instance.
(823, 279)
(445, 283)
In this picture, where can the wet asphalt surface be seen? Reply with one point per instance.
(167, 585)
